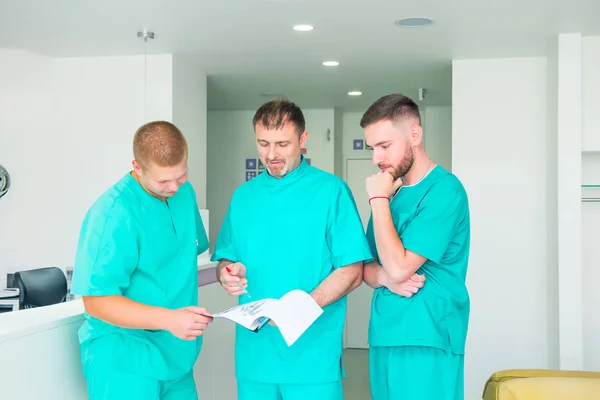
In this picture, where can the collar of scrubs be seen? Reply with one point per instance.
(290, 177)
(140, 189)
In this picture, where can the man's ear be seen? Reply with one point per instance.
(303, 138)
(136, 167)
(416, 135)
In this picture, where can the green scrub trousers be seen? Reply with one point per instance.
(106, 381)
(250, 390)
(415, 373)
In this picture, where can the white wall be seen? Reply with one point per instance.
(437, 136)
(590, 212)
(552, 205)
(189, 114)
(569, 143)
(533, 274)
(67, 128)
(499, 153)
(591, 94)
(338, 143)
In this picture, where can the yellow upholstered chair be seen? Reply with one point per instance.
(539, 384)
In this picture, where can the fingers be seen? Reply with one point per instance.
(199, 326)
(233, 269)
(200, 311)
(191, 335)
(236, 269)
(417, 278)
(228, 278)
(397, 184)
(235, 291)
(231, 280)
(410, 283)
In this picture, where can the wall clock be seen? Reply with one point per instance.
(4, 181)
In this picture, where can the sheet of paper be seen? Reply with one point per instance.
(294, 313)
(248, 315)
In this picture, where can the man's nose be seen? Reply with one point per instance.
(377, 157)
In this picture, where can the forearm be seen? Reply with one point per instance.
(338, 284)
(370, 274)
(392, 252)
(222, 264)
(126, 313)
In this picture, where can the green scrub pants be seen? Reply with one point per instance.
(415, 373)
(107, 381)
(249, 390)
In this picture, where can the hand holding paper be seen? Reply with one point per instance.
(293, 313)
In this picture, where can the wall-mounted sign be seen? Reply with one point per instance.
(250, 163)
(250, 175)
(358, 144)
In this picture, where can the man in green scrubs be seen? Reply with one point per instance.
(292, 227)
(136, 268)
(419, 223)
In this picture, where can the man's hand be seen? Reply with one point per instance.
(382, 184)
(188, 323)
(405, 289)
(231, 281)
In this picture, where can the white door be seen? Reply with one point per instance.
(359, 301)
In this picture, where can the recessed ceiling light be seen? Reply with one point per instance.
(414, 22)
(303, 28)
(354, 93)
(331, 63)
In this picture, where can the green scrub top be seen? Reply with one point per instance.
(292, 233)
(432, 219)
(135, 245)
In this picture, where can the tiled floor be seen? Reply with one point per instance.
(356, 385)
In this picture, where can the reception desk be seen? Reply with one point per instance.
(39, 349)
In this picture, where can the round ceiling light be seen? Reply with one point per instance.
(414, 22)
(354, 93)
(303, 28)
(331, 63)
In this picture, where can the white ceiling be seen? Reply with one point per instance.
(248, 47)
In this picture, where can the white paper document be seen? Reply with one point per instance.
(293, 313)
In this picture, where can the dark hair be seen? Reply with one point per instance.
(274, 114)
(159, 142)
(393, 107)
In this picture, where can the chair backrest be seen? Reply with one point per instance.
(41, 287)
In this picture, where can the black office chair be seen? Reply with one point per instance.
(41, 287)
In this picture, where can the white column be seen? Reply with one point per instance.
(569, 201)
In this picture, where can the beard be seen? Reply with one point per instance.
(404, 166)
(285, 167)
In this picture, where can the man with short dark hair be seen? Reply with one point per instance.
(136, 268)
(292, 227)
(419, 223)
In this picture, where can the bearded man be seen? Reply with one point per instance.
(419, 223)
